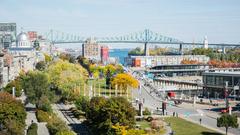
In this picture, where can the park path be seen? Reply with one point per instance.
(31, 117)
(76, 125)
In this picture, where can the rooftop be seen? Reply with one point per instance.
(227, 73)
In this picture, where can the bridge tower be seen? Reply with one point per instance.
(146, 49)
(146, 39)
(181, 49)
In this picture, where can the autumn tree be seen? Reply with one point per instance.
(227, 121)
(124, 81)
(65, 56)
(104, 113)
(68, 78)
(187, 61)
(12, 115)
(48, 58)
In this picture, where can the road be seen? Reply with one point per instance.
(152, 101)
(76, 125)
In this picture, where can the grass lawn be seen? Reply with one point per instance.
(183, 127)
(144, 124)
(99, 88)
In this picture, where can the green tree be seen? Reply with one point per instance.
(105, 113)
(12, 115)
(14, 83)
(227, 121)
(36, 45)
(36, 84)
(82, 103)
(41, 65)
(44, 104)
(136, 51)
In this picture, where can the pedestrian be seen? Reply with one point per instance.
(173, 114)
(200, 121)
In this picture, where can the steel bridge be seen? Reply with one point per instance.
(145, 37)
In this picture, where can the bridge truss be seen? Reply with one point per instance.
(146, 36)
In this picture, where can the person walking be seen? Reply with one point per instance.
(200, 121)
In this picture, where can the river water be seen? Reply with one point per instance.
(119, 54)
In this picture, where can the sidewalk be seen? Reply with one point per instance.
(31, 117)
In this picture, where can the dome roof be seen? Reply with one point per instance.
(22, 37)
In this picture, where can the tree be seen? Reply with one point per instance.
(36, 84)
(82, 103)
(36, 45)
(227, 121)
(12, 115)
(136, 51)
(65, 56)
(14, 83)
(41, 65)
(68, 78)
(48, 58)
(104, 113)
(124, 81)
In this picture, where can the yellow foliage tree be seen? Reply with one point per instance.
(124, 81)
(48, 58)
(67, 77)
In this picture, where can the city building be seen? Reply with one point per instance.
(24, 55)
(151, 61)
(104, 54)
(91, 50)
(8, 34)
(32, 35)
(179, 70)
(215, 84)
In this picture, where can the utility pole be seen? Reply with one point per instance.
(52, 42)
(226, 94)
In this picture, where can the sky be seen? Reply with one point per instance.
(186, 20)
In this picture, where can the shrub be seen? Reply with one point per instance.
(44, 104)
(66, 132)
(146, 112)
(157, 124)
(56, 125)
(82, 103)
(32, 130)
(42, 116)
